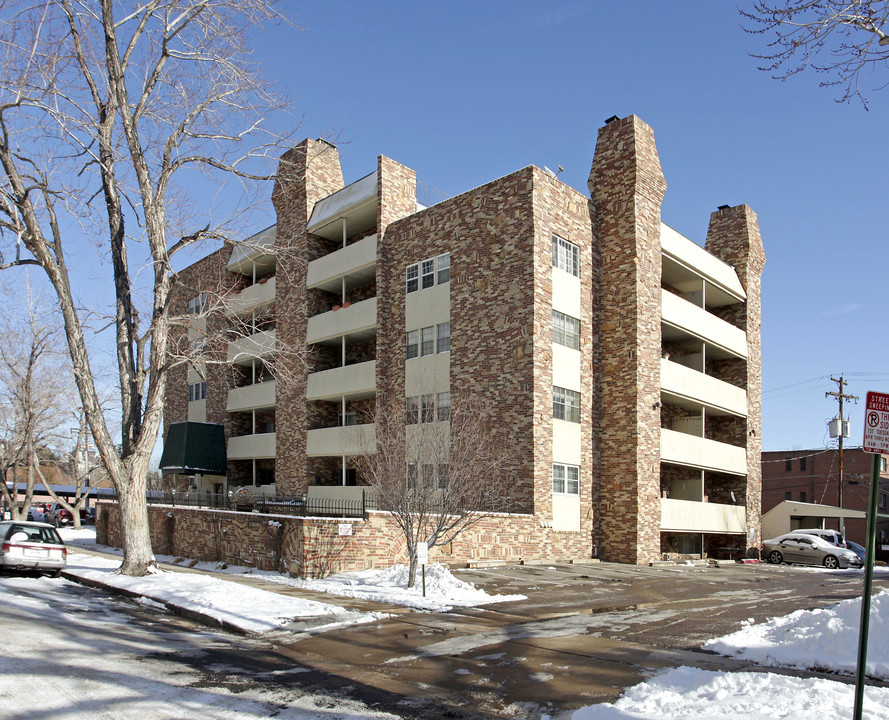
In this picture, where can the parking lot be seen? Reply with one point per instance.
(584, 633)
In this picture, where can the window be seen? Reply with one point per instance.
(427, 277)
(443, 401)
(883, 500)
(413, 344)
(411, 411)
(884, 463)
(566, 405)
(443, 331)
(411, 476)
(427, 406)
(428, 476)
(197, 304)
(802, 497)
(197, 345)
(411, 278)
(443, 268)
(802, 463)
(788, 465)
(566, 256)
(443, 470)
(566, 330)
(427, 341)
(346, 419)
(197, 391)
(566, 479)
(788, 495)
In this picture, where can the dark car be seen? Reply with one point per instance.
(31, 546)
(60, 516)
(858, 550)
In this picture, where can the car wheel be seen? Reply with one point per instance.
(831, 563)
(775, 557)
(55, 573)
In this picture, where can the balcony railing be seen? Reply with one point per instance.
(683, 449)
(690, 516)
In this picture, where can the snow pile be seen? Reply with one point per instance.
(691, 694)
(443, 590)
(821, 639)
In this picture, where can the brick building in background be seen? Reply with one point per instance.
(811, 477)
(623, 359)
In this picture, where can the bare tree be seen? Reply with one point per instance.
(845, 41)
(33, 402)
(112, 114)
(437, 470)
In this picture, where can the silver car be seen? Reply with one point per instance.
(32, 546)
(807, 550)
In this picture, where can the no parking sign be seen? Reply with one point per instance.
(876, 423)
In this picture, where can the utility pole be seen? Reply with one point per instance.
(840, 396)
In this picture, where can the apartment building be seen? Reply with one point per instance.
(623, 359)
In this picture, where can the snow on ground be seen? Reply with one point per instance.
(824, 639)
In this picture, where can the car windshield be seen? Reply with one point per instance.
(34, 534)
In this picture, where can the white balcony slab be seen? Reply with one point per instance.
(683, 449)
(356, 202)
(358, 319)
(356, 262)
(251, 397)
(249, 447)
(700, 389)
(251, 298)
(257, 249)
(349, 440)
(255, 346)
(697, 259)
(690, 516)
(352, 381)
(702, 324)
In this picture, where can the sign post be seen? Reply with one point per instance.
(876, 441)
(423, 560)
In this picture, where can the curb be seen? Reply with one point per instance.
(190, 614)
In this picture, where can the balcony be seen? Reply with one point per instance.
(690, 516)
(251, 298)
(357, 263)
(348, 440)
(696, 321)
(257, 250)
(359, 320)
(687, 264)
(251, 397)
(257, 345)
(355, 204)
(691, 389)
(249, 447)
(352, 381)
(684, 449)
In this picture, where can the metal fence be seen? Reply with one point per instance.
(297, 506)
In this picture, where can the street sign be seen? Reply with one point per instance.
(423, 553)
(876, 423)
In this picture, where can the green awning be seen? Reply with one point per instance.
(194, 448)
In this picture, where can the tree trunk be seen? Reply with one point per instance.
(412, 569)
(138, 556)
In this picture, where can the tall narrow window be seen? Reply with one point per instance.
(802, 463)
(411, 411)
(427, 406)
(413, 344)
(443, 469)
(411, 476)
(566, 404)
(427, 279)
(428, 476)
(411, 278)
(443, 403)
(443, 332)
(566, 479)
(443, 268)
(566, 330)
(427, 341)
(197, 304)
(566, 256)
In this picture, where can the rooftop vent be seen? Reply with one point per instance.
(611, 119)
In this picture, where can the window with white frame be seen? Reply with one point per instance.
(566, 330)
(412, 278)
(566, 256)
(443, 268)
(427, 274)
(566, 479)
(443, 404)
(566, 404)
(197, 304)
(427, 408)
(428, 476)
(197, 391)
(443, 337)
(443, 469)
(197, 345)
(427, 341)
(412, 349)
(412, 410)
(411, 475)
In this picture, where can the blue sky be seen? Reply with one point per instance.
(465, 92)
